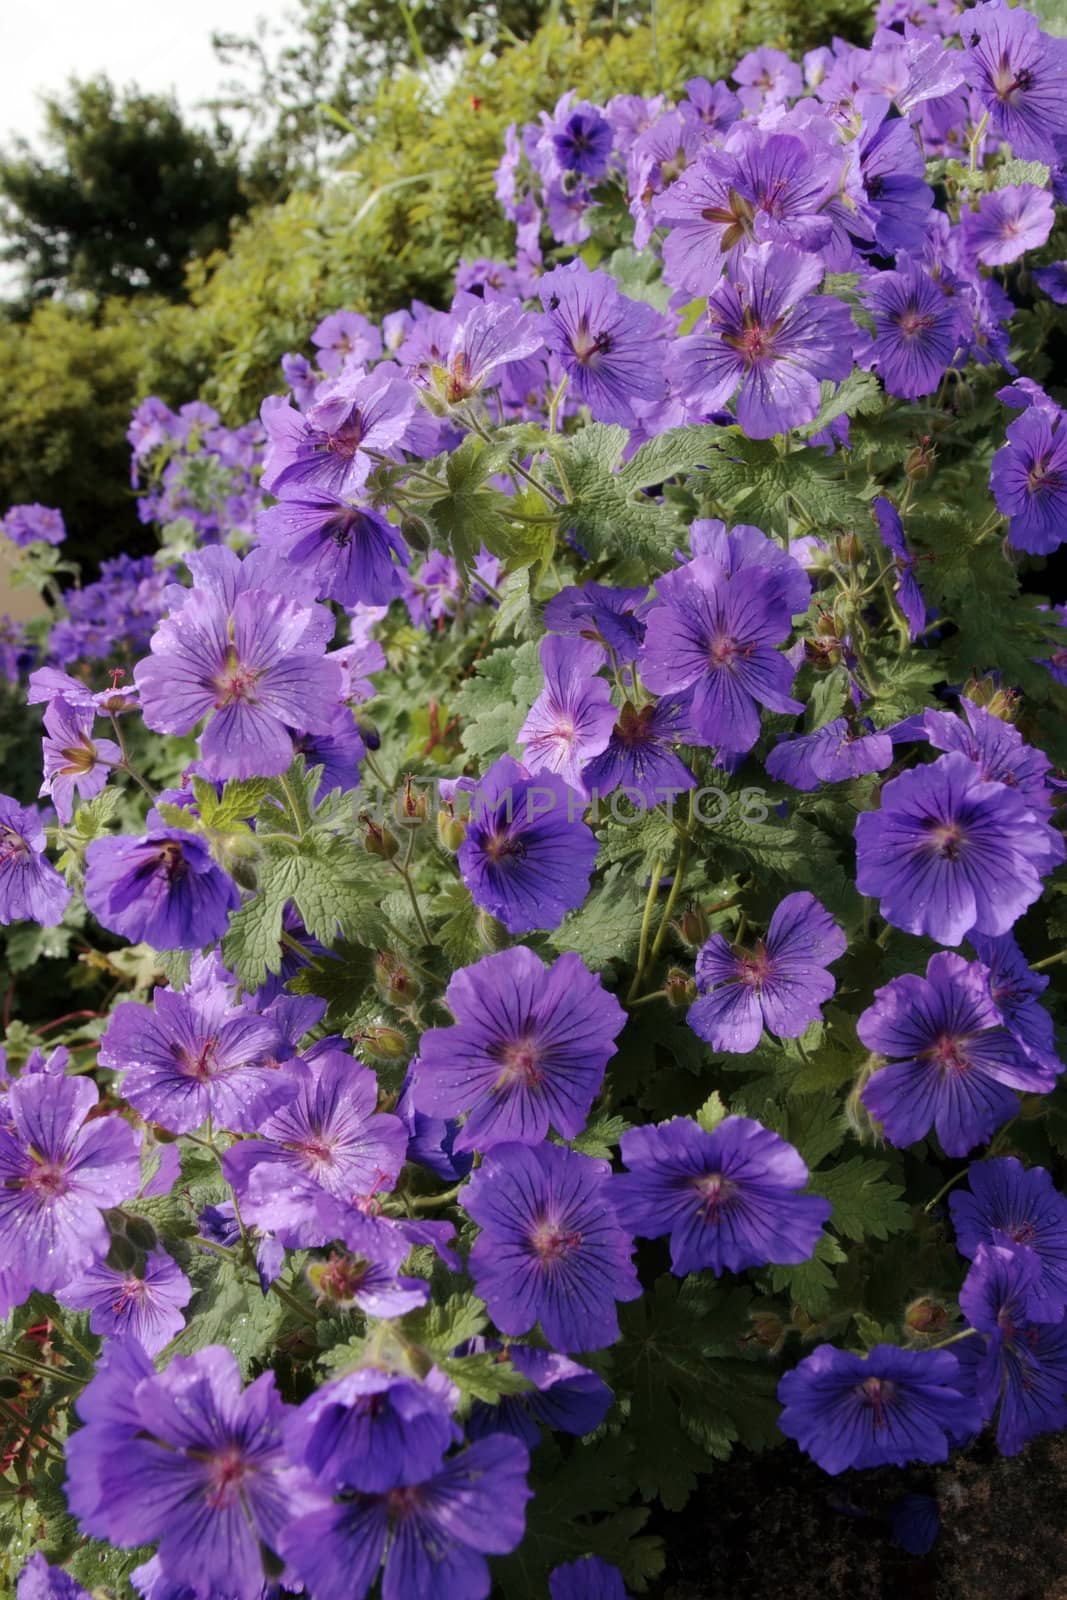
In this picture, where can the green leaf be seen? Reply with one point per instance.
(677, 450)
(606, 927)
(442, 1325)
(711, 1112)
(866, 1205)
(601, 1137)
(813, 1284)
(605, 516)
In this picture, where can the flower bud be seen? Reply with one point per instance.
(768, 1330)
(122, 1255)
(926, 1316)
(849, 549)
(366, 728)
(681, 988)
(395, 983)
(378, 840)
(412, 806)
(493, 934)
(383, 1044)
(919, 462)
(451, 831)
(693, 925)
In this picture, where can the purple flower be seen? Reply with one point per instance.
(145, 1305)
(565, 1396)
(610, 617)
(909, 595)
(359, 1281)
(572, 718)
(73, 760)
(1029, 480)
(781, 985)
(550, 1249)
(346, 337)
(33, 524)
(768, 77)
(528, 1049)
(255, 668)
(194, 1056)
(892, 172)
(1014, 988)
(917, 330)
(950, 851)
(326, 448)
(609, 346)
(639, 758)
(581, 138)
(954, 1063)
(587, 1579)
(1053, 280)
(30, 887)
(832, 755)
(717, 636)
(39, 1581)
(491, 336)
(729, 1199)
(1017, 1208)
(374, 1430)
(527, 855)
(219, 1224)
(1008, 222)
(768, 335)
(348, 549)
(916, 1523)
(745, 546)
(1020, 1365)
(56, 1176)
(885, 1409)
(328, 1139)
(433, 1534)
(1019, 74)
(163, 889)
(197, 1464)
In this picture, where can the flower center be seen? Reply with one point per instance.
(317, 1150)
(202, 1063)
(949, 1054)
(348, 438)
(12, 846)
(735, 218)
(754, 342)
(520, 1062)
(913, 322)
(722, 650)
(132, 1292)
(226, 1473)
(716, 1192)
(48, 1179)
(501, 847)
(235, 681)
(588, 346)
(755, 967)
(877, 1394)
(947, 839)
(552, 1241)
(1040, 480)
(78, 759)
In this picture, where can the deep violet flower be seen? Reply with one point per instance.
(527, 855)
(610, 347)
(30, 887)
(1029, 480)
(640, 759)
(563, 1396)
(145, 1305)
(916, 1523)
(917, 330)
(58, 1172)
(73, 759)
(163, 888)
(254, 668)
(746, 546)
(194, 1055)
(997, 749)
(729, 1199)
(1012, 1363)
(953, 1062)
(1014, 987)
(949, 851)
(611, 617)
(349, 549)
(572, 718)
(716, 636)
(433, 1535)
(581, 138)
(550, 1249)
(587, 1579)
(39, 1581)
(1019, 74)
(327, 447)
(196, 1463)
(770, 337)
(887, 1408)
(33, 524)
(1017, 1208)
(528, 1049)
(328, 1139)
(833, 754)
(781, 985)
(1008, 222)
(909, 595)
(374, 1430)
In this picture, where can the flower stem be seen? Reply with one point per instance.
(646, 928)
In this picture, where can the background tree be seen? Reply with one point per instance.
(124, 194)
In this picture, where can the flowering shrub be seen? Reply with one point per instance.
(567, 827)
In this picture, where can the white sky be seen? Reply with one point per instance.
(156, 44)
